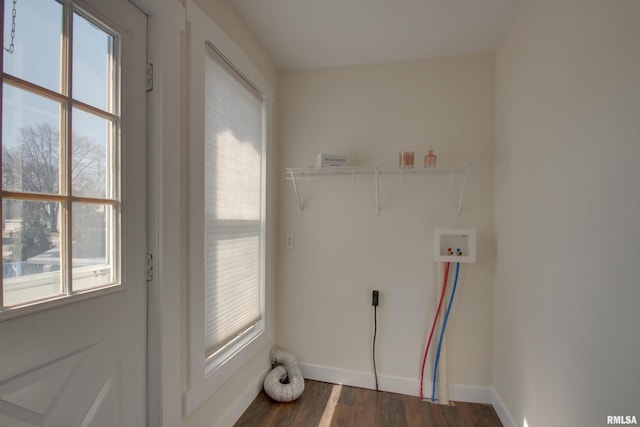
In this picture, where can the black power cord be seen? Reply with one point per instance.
(374, 302)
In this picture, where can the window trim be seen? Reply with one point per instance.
(203, 378)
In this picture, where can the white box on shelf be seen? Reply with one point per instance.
(455, 245)
(325, 160)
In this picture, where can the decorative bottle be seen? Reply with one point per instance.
(430, 159)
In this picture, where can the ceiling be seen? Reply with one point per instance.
(327, 33)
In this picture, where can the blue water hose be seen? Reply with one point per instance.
(444, 326)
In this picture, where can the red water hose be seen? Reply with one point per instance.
(435, 320)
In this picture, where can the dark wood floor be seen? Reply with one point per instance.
(362, 407)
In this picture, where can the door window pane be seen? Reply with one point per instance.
(92, 64)
(91, 155)
(37, 45)
(30, 251)
(92, 254)
(30, 142)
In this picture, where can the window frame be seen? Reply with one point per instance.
(112, 112)
(204, 377)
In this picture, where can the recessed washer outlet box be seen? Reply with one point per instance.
(455, 245)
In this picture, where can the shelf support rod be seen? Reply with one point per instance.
(377, 174)
(464, 187)
(295, 189)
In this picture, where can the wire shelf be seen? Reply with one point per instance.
(308, 173)
(312, 172)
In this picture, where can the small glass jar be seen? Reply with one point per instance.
(406, 159)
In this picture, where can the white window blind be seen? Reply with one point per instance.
(233, 205)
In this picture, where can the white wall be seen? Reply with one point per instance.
(567, 213)
(343, 250)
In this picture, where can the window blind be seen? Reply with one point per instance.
(233, 185)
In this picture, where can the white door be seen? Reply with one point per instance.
(73, 317)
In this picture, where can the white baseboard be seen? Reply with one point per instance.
(470, 393)
(359, 379)
(408, 386)
(501, 410)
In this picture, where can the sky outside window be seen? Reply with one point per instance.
(37, 44)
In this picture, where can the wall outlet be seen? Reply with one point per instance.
(289, 241)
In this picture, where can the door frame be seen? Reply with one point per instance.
(166, 227)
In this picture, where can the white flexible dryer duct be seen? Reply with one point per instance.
(284, 383)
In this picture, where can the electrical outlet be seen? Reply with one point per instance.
(375, 296)
(289, 241)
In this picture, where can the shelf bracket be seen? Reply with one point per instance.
(464, 187)
(377, 175)
(295, 190)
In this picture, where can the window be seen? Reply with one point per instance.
(233, 205)
(60, 154)
(229, 288)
